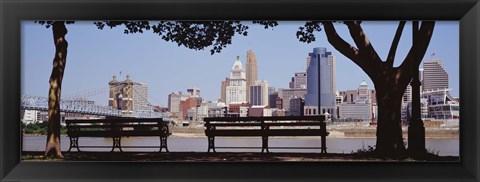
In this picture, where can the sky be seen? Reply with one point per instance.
(94, 56)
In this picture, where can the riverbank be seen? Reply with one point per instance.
(218, 157)
(338, 132)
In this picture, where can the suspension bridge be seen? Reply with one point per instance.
(76, 103)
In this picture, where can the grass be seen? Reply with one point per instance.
(219, 157)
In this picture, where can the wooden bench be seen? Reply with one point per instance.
(116, 128)
(265, 127)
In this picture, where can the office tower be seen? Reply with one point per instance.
(194, 92)
(252, 71)
(271, 90)
(236, 91)
(299, 80)
(327, 82)
(435, 77)
(223, 92)
(259, 93)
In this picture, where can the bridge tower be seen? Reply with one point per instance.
(121, 95)
(128, 96)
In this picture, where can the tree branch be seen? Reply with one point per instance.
(362, 42)
(396, 40)
(341, 45)
(421, 40)
(420, 44)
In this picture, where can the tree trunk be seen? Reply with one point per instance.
(53, 147)
(389, 126)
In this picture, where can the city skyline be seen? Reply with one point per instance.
(95, 56)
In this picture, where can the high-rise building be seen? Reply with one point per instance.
(327, 82)
(271, 90)
(252, 71)
(236, 91)
(435, 77)
(259, 93)
(299, 80)
(194, 92)
(223, 92)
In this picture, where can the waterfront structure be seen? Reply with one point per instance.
(296, 106)
(251, 71)
(185, 105)
(435, 77)
(236, 92)
(299, 80)
(408, 111)
(216, 109)
(128, 95)
(259, 93)
(235, 109)
(198, 113)
(286, 94)
(360, 108)
(441, 105)
(174, 100)
(259, 111)
(326, 61)
(30, 116)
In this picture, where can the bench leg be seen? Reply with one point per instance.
(117, 143)
(163, 144)
(323, 149)
(73, 143)
(265, 144)
(211, 144)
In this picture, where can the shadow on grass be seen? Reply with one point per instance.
(218, 157)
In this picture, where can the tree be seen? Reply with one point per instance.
(390, 82)
(195, 35)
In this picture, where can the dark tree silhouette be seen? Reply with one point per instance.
(195, 35)
(390, 82)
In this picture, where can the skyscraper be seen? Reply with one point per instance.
(259, 93)
(194, 92)
(299, 80)
(223, 92)
(236, 91)
(327, 82)
(434, 75)
(252, 71)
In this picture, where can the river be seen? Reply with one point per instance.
(444, 147)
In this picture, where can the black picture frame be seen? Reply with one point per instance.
(12, 12)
